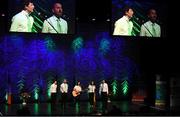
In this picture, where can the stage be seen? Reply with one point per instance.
(114, 108)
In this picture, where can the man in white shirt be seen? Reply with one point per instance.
(64, 91)
(104, 91)
(124, 26)
(23, 22)
(151, 28)
(53, 90)
(55, 24)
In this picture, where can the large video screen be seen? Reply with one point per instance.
(41, 16)
(147, 18)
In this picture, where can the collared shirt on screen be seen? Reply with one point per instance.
(123, 27)
(147, 29)
(22, 22)
(51, 25)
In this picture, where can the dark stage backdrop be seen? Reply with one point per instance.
(30, 63)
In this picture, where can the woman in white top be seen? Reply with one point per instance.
(91, 91)
(53, 90)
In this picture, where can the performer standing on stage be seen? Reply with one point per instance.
(103, 91)
(77, 92)
(91, 91)
(64, 91)
(53, 90)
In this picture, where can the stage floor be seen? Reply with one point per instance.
(46, 109)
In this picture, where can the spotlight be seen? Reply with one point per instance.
(2, 14)
(108, 20)
(93, 19)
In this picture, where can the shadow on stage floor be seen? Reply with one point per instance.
(47, 109)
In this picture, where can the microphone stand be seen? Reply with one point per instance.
(51, 25)
(148, 30)
(47, 21)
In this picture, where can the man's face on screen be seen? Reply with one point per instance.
(57, 9)
(130, 13)
(30, 7)
(152, 15)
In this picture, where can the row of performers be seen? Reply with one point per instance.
(77, 90)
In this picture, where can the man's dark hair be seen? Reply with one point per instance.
(149, 10)
(78, 82)
(54, 80)
(25, 3)
(57, 1)
(126, 9)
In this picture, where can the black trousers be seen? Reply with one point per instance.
(64, 98)
(53, 97)
(104, 98)
(53, 101)
(91, 98)
(77, 99)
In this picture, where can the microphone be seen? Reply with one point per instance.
(39, 14)
(65, 17)
(140, 20)
(158, 22)
(35, 11)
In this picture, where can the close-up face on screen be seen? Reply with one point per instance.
(41, 16)
(146, 18)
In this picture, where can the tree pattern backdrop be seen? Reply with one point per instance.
(31, 63)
